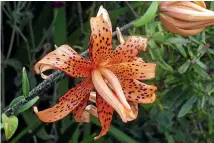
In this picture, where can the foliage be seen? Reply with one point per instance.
(183, 111)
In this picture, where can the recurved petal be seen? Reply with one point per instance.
(66, 59)
(134, 70)
(138, 92)
(105, 113)
(67, 103)
(129, 49)
(100, 45)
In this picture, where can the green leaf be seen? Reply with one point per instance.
(1, 126)
(148, 16)
(211, 100)
(89, 139)
(159, 37)
(176, 40)
(187, 106)
(25, 83)
(16, 100)
(201, 72)
(28, 105)
(211, 51)
(181, 50)
(202, 65)
(182, 69)
(164, 65)
(212, 5)
(10, 125)
(210, 124)
(25, 106)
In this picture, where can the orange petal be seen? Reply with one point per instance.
(102, 11)
(100, 45)
(129, 49)
(66, 59)
(67, 103)
(134, 70)
(78, 111)
(105, 112)
(138, 92)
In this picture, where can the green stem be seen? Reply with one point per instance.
(11, 44)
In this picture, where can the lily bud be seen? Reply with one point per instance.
(185, 18)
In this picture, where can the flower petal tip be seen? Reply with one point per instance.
(35, 109)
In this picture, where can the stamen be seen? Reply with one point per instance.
(114, 82)
(107, 94)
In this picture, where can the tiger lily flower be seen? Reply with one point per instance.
(114, 75)
(185, 18)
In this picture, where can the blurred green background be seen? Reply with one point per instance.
(183, 111)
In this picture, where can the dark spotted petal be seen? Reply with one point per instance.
(100, 45)
(129, 49)
(67, 103)
(66, 59)
(78, 111)
(105, 112)
(134, 70)
(138, 92)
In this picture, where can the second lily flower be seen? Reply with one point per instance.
(185, 18)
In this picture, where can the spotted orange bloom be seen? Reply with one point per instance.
(114, 75)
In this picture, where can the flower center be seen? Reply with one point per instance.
(109, 88)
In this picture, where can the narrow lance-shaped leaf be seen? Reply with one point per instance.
(25, 106)
(165, 66)
(182, 69)
(148, 16)
(176, 40)
(187, 106)
(210, 123)
(181, 50)
(201, 72)
(10, 125)
(25, 83)
(202, 65)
